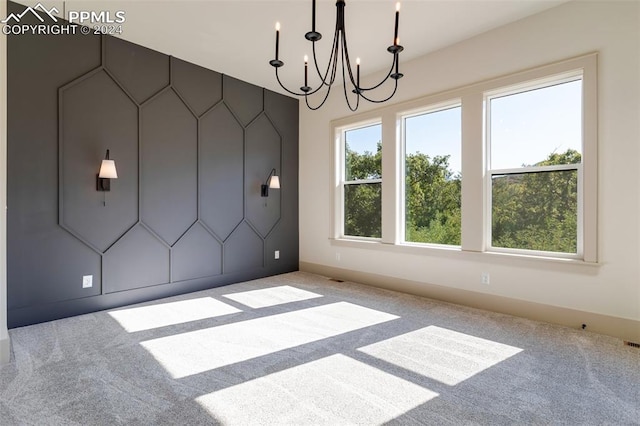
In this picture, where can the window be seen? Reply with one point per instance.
(433, 176)
(362, 181)
(526, 144)
(535, 146)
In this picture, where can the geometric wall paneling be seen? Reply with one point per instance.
(137, 260)
(263, 153)
(283, 114)
(169, 187)
(196, 255)
(244, 99)
(199, 87)
(96, 115)
(191, 147)
(221, 171)
(143, 72)
(243, 250)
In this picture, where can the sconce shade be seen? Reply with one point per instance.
(273, 181)
(108, 170)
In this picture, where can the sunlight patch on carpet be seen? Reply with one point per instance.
(444, 355)
(172, 313)
(203, 350)
(271, 296)
(332, 390)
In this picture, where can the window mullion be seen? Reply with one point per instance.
(390, 187)
(472, 173)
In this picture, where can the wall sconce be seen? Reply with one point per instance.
(273, 181)
(107, 172)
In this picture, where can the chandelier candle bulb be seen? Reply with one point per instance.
(358, 73)
(395, 32)
(277, 39)
(306, 73)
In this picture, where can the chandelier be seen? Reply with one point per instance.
(340, 53)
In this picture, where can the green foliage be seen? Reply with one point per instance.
(535, 211)
(432, 200)
(363, 202)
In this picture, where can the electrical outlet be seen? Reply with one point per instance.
(87, 281)
(485, 278)
(337, 257)
(276, 254)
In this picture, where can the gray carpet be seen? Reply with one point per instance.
(300, 349)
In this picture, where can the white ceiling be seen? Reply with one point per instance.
(237, 37)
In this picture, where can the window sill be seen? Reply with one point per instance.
(455, 252)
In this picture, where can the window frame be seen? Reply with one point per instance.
(342, 182)
(474, 201)
(522, 87)
(402, 117)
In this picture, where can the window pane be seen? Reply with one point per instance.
(535, 211)
(362, 210)
(528, 128)
(433, 177)
(363, 153)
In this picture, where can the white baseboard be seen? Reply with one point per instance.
(625, 329)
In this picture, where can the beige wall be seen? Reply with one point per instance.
(612, 288)
(4, 335)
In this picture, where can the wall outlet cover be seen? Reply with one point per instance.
(485, 278)
(87, 281)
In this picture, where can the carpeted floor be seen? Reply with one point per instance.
(299, 349)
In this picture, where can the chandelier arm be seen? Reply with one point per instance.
(364, 89)
(285, 88)
(345, 55)
(395, 88)
(326, 96)
(344, 82)
(296, 93)
(333, 52)
(333, 66)
(306, 98)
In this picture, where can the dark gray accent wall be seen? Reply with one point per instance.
(191, 147)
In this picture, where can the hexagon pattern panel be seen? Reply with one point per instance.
(169, 167)
(221, 171)
(126, 264)
(263, 148)
(245, 100)
(143, 72)
(88, 129)
(198, 254)
(244, 250)
(199, 87)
